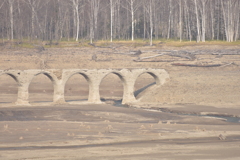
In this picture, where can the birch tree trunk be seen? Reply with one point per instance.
(180, 20)
(218, 19)
(118, 21)
(169, 19)
(229, 23)
(203, 20)
(144, 23)
(151, 20)
(149, 8)
(227, 8)
(91, 23)
(33, 4)
(112, 11)
(96, 9)
(60, 17)
(10, 2)
(76, 17)
(157, 18)
(237, 21)
(212, 19)
(198, 25)
(20, 24)
(188, 21)
(132, 14)
(134, 5)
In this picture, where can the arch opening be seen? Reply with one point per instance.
(77, 88)
(8, 89)
(47, 75)
(111, 88)
(41, 89)
(144, 83)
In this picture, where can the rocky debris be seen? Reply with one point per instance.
(94, 57)
(221, 137)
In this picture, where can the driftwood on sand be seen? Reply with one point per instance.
(173, 53)
(202, 65)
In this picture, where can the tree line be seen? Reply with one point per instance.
(193, 20)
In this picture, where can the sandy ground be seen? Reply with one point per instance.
(174, 121)
(110, 132)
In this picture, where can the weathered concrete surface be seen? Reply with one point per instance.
(93, 77)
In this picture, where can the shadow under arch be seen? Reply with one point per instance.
(8, 88)
(144, 81)
(112, 94)
(69, 89)
(11, 75)
(40, 90)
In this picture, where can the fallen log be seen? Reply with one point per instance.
(190, 57)
(155, 61)
(135, 53)
(140, 59)
(227, 64)
(196, 65)
(230, 54)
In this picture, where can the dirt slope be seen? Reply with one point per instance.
(198, 86)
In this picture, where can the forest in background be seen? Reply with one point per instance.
(57, 20)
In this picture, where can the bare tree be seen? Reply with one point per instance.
(187, 19)
(237, 8)
(34, 5)
(212, 10)
(198, 37)
(203, 12)
(76, 17)
(122, 19)
(134, 5)
(169, 19)
(229, 21)
(180, 20)
(94, 8)
(10, 3)
(112, 6)
(149, 9)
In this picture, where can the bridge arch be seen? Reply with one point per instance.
(153, 74)
(11, 75)
(143, 82)
(77, 72)
(119, 74)
(159, 75)
(115, 90)
(8, 91)
(68, 78)
(50, 75)
(44, 89)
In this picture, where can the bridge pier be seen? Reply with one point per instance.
(23, 79)
(23, 95)
(94, 95)
(58, 95)
(128, 91)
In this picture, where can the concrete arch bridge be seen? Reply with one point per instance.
(93, 77)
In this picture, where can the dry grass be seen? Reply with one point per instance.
(25, 43)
